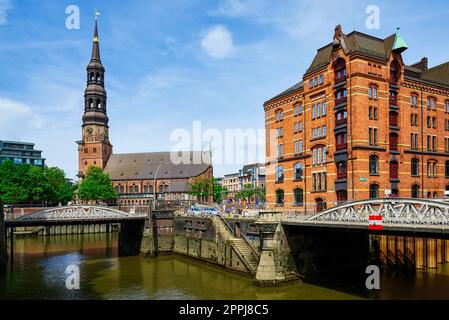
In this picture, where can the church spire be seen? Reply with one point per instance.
(95, 99)
(96, 44)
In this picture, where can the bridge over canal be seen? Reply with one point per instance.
(131, 225)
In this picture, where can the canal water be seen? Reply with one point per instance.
(39, 272)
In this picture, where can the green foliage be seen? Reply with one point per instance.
(204, 188)
(248, 192)
(96, 186)
(24, 183)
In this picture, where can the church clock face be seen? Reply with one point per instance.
(89, 130)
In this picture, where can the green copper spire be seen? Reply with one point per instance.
(399, 44)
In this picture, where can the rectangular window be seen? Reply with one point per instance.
(280, 150)
(300, 109)
(314, 181)
(300, 146)
(321, 79)
(318, 133)
(318, 110)
(375, 136)
(311, 83)
(319, 156)
(313, 112)
(324, 131)
(296, 147)
(313, 133)
(434, 143)
(316, 81)
(324, 108)
(428, 143)
(300, 127)
(313, 156)
(434, 122)
(324, 155)
(371, 113)
(295, 127)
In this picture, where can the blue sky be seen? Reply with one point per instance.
(169, 63)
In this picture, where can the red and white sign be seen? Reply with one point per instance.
(375, 222)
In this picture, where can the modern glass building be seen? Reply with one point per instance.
(20, 152)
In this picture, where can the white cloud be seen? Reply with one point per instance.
(15, 114)
(218, 42)
(4, 6)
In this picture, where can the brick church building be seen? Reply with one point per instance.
(361, 124)
(136, 177)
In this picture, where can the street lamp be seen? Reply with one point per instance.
(154, 185)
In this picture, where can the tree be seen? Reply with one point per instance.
(25, 183)
(57, 189)
(202, 188)
(12, 187)
(97, 186)
(246, 193)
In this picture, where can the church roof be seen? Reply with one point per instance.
(157, 165)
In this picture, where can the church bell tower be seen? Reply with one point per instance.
(94, 149)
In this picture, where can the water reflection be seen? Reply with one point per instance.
(40, 264)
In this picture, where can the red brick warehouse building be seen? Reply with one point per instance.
(136, 177)
(361, 124)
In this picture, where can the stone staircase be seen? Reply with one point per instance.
(241, 246)
(246, 253)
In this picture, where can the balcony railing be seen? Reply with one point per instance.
(340, 100)
(342, 146)
(340, 79)
(342, 175)
(339, 122)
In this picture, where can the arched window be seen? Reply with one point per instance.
(431, 169)
(415, 167)
(394, 72)
(340, 71)
(373, 165)
(446, 169)
(414, 100)
(150, 189)
(297, 168)
(374, 191)
(145, 189)
(122, 189)
(279, 115)
(415, 191)
(431, 103)
(279, 197)
(320, 204)
(279, 174)
(91, 103)
(372, 92)
(446, 106)
(98, 103)
(394, 166)
(92, 77)
(117, 189)
(98, 76)
(298, 195)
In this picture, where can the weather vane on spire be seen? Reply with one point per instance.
(97, 13)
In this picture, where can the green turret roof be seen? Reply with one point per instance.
(399, 44)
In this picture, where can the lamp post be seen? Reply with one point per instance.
(154, 185)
